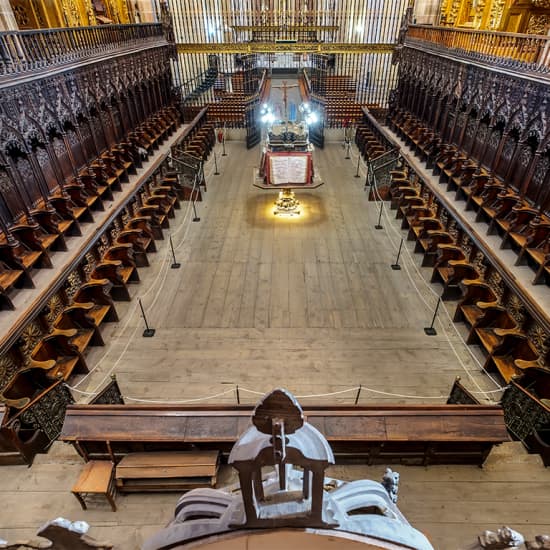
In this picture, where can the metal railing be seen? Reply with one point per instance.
(22, 51)
(522, 52)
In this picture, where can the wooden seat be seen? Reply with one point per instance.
(8, 280)
(96, 478)
(491, 327)
(167, 471)
(475, 295)
(507, 357)
(57, 347)
(18, 257)
(97, 292)
(76, 317)
(451, 275)
(119, 275)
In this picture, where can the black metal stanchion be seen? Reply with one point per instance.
(379, 224)
(175, 265)
(358, 163)
(237, 394)
(358, 394)
(347, 149)
(196, 217)
(148, 332)
(216, 173)
(430, 331)
(224, 154)
(396, 265)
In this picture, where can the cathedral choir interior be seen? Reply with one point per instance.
(287, 261)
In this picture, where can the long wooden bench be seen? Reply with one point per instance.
(167, 471)
(407, 434)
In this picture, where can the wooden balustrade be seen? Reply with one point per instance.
(22, 51)
(515, 51)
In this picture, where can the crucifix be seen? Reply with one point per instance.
(285, 88)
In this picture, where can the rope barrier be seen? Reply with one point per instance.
(232, 390)
(162, 272)
(378, 198)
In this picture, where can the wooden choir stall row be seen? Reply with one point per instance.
(513, 332)
(52, 346)
(522, 226)
(28, 244)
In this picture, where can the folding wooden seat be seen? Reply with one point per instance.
(68, 210)
(472, 188)
(452, 272)
(58, 348)
(491, 327)
(150, 214)
(489, 196)
(76, 318)
(93, 188)
(81, 198)
(543, 272)
(8, 279)
(51, 222)
(511, 356)
(413, 209)
(419, 227)
(97, 292)
(445, 156)
(476, 295)
(534, 242)
(37, 240)
(518, 228)
(499, 212)
(18, 257)
(428, 243)
(119, 275)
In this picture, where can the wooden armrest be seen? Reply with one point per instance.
(45, 365)
(490, 305)
(507, 331)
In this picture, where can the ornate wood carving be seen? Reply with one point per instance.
(52, 127)
(508, 122)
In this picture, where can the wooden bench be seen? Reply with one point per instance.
(406, 434)
(167, 471)
(96, 479)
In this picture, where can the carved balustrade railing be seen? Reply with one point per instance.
(521, 52)
(22, 51)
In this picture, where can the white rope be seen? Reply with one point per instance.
(404, 395)
(162, 272)
(306, 396)
(378, 198)
(232, 390)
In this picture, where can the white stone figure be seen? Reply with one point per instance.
(390, 481)
(502, 538)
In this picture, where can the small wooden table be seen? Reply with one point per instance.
(97, 477)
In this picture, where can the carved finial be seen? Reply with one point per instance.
(279, 404)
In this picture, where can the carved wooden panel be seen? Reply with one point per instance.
(30, 336)
(36, 113)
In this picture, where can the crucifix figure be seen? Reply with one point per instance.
(285, 89)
